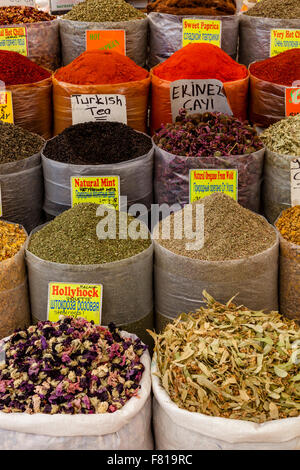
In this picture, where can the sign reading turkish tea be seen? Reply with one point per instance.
(292, 101)
(75, 300)
(295, 182)
(196, 31)
(99, 108)
(282, 40)
(113, 39)
(198, 96)
(206, 182)
(6, 107)
(101, 190)
(14, 39)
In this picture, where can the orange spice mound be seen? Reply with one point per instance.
(99, 68)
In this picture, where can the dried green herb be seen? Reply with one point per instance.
(288, 9)
(17, 143)
(231, 362)
(71, 238)
(283, 137)
(104, 10)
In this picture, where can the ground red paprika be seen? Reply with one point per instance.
(99, 68)
(16, 69)
(200, 61)
(282, 69)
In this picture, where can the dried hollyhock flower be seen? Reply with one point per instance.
(71, 366)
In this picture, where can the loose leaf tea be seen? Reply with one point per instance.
(283, 137)
(228, 361)
(104, 10)
(17, 143)
(104, 143)
(71, 238)
(70, 367)
(193, 7)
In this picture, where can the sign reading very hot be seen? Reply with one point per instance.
(102, 190)
(113, 39)
(14, 39)
(206, 182)
(75, 300)
(197, 31)
(282, 40)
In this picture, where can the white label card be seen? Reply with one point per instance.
(98, 108)
(198, 96)
(295, 182)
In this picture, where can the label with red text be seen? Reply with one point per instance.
(75, 300)
(206, 182)
(197, 31)
(101, 190)
(14, 39)
(6, 107)
(282, 40)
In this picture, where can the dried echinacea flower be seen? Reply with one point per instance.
(231, 362)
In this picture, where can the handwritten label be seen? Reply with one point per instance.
(198, 96)
(14, 39)
(99, 108)
(283, 39)
(196, 31)
(295, 182)
(206, 182)
(292, 101)
(75, 300)
(113, 39)
(102, 190)
(19, 3)
(6, 107)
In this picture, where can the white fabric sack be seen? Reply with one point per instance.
(178, 429)
(127, 429)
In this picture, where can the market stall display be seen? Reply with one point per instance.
(198, 61)
(110, 148)
(31, 89)
(42, 42)
(255, 38)
(14, 303)
(207, 141)
(282, 141)
(223, 380)
(288, 225)
(21, 178)
(77, 372)
(268, 81)
(68, 250)
(99, 15)
(101, 72)
(239, 257)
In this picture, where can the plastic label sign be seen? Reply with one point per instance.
(205, 31)
(101, 190)
(295, 182)
(198, 96)
(58, 6)
(292, 101)
(75, 300)
(6, 107)
(113, 39)
(100, 108)
(206, 182)
(282, 40)
(14, 39)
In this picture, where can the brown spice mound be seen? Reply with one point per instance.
(230, 232)
(193, 7)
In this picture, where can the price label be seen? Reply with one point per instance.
(206, 182)
(295, 182)
(113, 39)
(282, 40)
(198, 96)
(75, 300)
(101, 190)
(14, 39)
(292, 101)
(100, 108)
(6, 107)
(196, 31)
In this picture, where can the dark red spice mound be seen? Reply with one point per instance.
(16, 69)
(283, 69)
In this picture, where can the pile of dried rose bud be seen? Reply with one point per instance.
(71, 366)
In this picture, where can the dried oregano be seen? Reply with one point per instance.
(231, 362)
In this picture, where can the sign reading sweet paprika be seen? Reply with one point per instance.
(6, 107)
(197, 31)
(14, 39)
(101, 190)
(282, 40)
(206, 182)
(113, 39)
(75, 300)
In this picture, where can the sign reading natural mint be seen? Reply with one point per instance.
(198, 96)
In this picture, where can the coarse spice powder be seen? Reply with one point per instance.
(17, 143)
(104, 10)
(12, 238)
(71, 238)
(230, 231)
(285, 9)
(289, 224)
